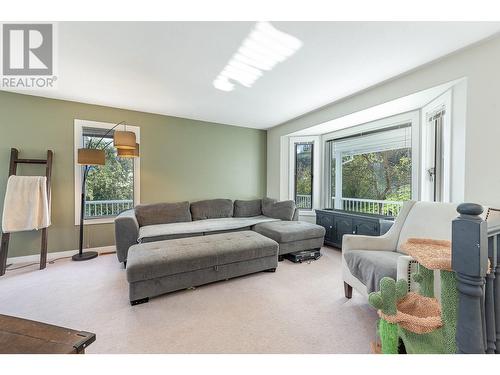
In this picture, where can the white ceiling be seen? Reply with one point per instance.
(401, 105)
(168, 67)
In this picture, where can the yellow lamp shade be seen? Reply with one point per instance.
(124, 140)
(126, 153)
(89, 156)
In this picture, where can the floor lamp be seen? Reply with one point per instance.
(87, 157)
(126, 145)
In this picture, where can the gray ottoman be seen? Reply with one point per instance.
(293, 236)
(160, 267)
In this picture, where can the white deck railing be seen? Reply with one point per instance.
(107, 208)
(303, 201)
(372, 206)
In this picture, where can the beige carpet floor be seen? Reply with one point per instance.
(298, 309)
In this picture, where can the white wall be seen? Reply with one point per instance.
(480, 64)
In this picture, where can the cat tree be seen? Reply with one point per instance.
(424, 323)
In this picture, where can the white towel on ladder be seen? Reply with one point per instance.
(26, 205)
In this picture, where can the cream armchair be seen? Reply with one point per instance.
(365, 259)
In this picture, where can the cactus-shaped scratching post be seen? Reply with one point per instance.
(386, 301)
(425, 278)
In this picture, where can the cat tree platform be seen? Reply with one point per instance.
(432, 254)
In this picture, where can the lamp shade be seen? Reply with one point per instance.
(90, 156)
(126, 153)
(124, 140)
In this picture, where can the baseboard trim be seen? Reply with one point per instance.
(60, 254)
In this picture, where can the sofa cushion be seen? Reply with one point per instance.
(163, 258)
(212, 209)
(200, 226)
(247, 208)
(162, 213)
(283, 210)
(289, 231)
(370, 266)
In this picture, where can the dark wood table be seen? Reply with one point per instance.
(23, 336)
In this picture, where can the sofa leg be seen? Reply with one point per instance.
(281, 258)
(347, 290)
(139, 301)
(270, 270)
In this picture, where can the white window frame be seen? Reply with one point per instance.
(78, 143)
(317, 160)
(412, 117)
(443, 101)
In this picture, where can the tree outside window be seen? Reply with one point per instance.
(303, 175)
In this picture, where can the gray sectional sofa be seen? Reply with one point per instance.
(171, 246)
(167, 221)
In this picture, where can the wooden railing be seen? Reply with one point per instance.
(475, 262)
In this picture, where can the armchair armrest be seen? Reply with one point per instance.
(387, 242)
(126, 233)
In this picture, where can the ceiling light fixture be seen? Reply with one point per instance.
(263, 48)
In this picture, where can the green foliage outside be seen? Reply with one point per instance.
(382, 175)
(303, 170)
(113, 181)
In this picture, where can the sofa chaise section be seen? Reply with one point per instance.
(293, 236)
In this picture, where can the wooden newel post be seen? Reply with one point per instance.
(491, 298)
(470, 262)
(496, 242)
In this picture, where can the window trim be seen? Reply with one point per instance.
(444, 101)
(78, 143)
(317, 160)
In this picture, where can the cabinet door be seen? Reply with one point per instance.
(326, 221)
(366, 227)
(342, 225)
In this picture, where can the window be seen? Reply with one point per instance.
(436, 139)
(303, 181)
(371, 171)
(110, 188)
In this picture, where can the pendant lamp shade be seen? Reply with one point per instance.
(124, 140)
(89, 156)
(126, 153)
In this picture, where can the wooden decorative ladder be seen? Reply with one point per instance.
(4, 244)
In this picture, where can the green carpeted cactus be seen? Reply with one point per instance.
(388, 296)
(386, 300)
(441, 340)
(449, 307)
(425, 278)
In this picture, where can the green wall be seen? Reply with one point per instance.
(181, 159)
